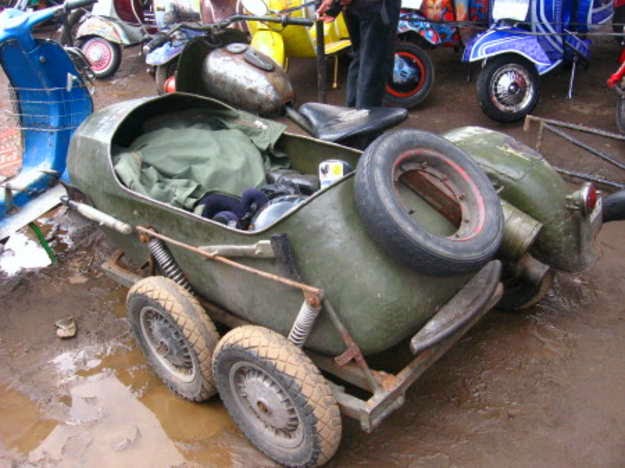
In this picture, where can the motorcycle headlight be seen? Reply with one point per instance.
(515, 10)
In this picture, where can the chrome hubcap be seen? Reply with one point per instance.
(167, 344)
(266, 404)
(511, 88)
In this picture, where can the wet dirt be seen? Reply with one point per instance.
(543, 388)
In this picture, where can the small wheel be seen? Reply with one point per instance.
(523, 295)
(162, 74)
(104, 56)
(175, 334)
(620, 114)
(277, 397)
(508, 88)
(413, 76)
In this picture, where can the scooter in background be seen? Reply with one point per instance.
(110, 26)
(413, 72)
(50, 99)
(528, 39)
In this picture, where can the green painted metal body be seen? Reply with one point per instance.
(527, 181)
(380, 301)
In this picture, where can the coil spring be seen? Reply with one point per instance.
(167, 264)
(303, 324)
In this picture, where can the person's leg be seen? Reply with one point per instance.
(352, 22)
(377, 49)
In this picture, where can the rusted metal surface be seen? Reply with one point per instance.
(227, 76)
(353, 351)
(553, 126)
(309, 291)
(520, 232)
(434, 192)
(463, 308)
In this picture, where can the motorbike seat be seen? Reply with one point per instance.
(338, 123)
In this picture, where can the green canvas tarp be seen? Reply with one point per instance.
(181, 157)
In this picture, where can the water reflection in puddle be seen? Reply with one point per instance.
(120, 414)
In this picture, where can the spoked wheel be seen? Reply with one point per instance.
(103, 56)
(620, 114)
(413, 76)
(508, 88)
(176, 335)
(277, 397)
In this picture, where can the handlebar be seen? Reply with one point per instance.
(283, 20)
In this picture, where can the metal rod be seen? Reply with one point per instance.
(353, 350)
(590, 177)
(579, 128)
(321, 62)
(306, 289)
(600, 154)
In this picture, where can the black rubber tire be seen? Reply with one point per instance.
(399, 234)
(522, 295)
(162, 72)
(496, 65)
(613, 207)
(111, 65)
(620, 114)
(297, 381)
(193, 327)
(411, 96)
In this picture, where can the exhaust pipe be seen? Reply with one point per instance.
(614, 207)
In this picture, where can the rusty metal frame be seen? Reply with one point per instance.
(555, 127)
(387, 390)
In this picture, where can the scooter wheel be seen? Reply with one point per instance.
(508, 88)
(104, 57)
(413, 77)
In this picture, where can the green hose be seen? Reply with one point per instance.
(43, 242)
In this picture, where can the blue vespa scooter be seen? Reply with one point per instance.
(527, 39)
(50, 99)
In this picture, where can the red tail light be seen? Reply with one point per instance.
(590, 197)
(170, 85)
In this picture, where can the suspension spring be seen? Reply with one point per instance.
(167, 264)
(303, 324)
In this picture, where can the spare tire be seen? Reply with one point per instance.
(449, 180)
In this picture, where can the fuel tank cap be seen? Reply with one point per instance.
(253, 57)
(236, 47)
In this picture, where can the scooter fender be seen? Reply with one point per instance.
(415, 22)
(106, 29)
(164, 54)
(270, 43)
(511, 41)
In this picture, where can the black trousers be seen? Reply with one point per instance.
(373, 33)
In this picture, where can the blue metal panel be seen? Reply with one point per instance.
(510, 40)
(51, 102)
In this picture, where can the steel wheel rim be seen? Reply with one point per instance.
(266, 405)
(99, 54)
(167, 344)
(511, 88)
(415, 76)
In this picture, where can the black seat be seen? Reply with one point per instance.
(340, 124)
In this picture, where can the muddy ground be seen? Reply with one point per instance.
(543, 388)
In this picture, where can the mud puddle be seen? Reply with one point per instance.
(117, 413)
